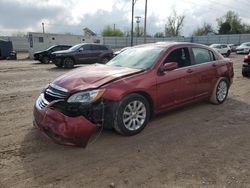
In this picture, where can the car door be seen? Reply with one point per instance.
(96, 53)
(205, 70)
(84, 54)
(177, 86)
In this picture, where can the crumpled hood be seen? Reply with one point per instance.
(92, 76)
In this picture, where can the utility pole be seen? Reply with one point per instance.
(114, 27)
(132, 22)
(43, 27)
(145, 22)
(138, 23)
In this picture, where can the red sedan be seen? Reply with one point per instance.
(128, 90)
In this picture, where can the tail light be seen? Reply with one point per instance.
(247, 58)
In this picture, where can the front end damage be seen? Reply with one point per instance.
(67, 123)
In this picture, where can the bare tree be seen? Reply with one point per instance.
(174, 25)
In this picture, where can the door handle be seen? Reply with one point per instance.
(190, 71)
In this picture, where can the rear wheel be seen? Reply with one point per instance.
(220, 91)
(68, 62)
(45, 60)
(132, 115)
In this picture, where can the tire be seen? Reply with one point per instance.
(68, 63)
(244, 74)
(132, 115)
(59, 65)
(104, 60)
(228, 53)
(45, 59)
(220, 91)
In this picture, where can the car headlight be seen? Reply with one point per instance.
(86, 96)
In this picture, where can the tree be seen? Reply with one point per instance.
(230, 23)
(174, 25)
(159, 35)
(225, 28)
(110, 32)
(18, 34)
(204, 30)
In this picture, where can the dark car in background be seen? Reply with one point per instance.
(124, 93)
(45, 55)
(85, 53)
(244, 48)
(246, 66)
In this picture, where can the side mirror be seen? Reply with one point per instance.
(170, 66)
(80, 49)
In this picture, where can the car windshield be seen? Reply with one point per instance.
(76, 47)
(50, 48)
(139, 57)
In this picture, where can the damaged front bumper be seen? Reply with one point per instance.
(61, 128)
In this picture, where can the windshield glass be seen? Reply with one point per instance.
(139, 58)
(50, 48)
(76, 47)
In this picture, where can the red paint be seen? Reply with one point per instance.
(164, 90)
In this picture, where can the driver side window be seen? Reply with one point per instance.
(180, 56)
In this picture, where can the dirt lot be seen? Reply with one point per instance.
(202, 145)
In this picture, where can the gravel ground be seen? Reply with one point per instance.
(202, 145)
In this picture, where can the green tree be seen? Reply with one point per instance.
(204, 30)
(110, 32)
(231, 23)
(18, 34)
(174, 25)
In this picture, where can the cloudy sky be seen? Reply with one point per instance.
(71, 16)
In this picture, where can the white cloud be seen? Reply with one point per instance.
(73, 15)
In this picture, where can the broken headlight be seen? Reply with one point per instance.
(86, 96)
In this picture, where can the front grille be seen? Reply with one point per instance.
(54, 92)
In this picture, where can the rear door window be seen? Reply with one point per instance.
(202, 55)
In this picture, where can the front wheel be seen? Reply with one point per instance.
(68, 62)
(132, 115)
(228, 53)
(244, 74)
(220, 91)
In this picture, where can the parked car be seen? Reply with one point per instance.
(45, 55)
(224, 49)
(119, 51)
(246, 66)
(127, 91)
(244, 48)
(82, 53)
(233, 47)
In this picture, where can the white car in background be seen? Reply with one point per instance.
(223, 49)
(244, 48)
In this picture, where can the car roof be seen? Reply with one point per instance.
(169, 44)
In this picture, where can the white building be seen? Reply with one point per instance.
(42, 41)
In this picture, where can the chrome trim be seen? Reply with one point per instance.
(41, 102)
(58, 88)
(55, 94)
